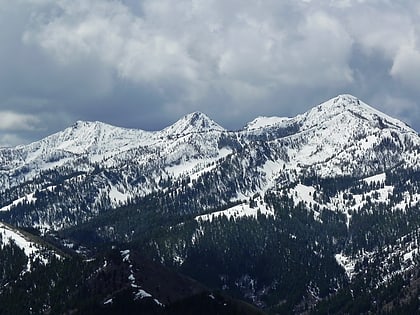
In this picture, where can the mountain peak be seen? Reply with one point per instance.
(196, 116)
(340, 103)
(346, 98)
(93, 137)
(89, 124)
(193, 122)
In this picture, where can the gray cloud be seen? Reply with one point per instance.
(145, 63)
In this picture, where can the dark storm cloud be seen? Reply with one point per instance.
(145, 63)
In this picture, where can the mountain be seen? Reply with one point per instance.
(124, 164)
(289, 214)
(116, 164)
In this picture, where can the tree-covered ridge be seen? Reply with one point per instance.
(258, 257)
(111, 282)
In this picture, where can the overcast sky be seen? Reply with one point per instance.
(146, 63)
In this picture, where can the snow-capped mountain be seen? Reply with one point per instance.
(340, 137)
(85, 143)
(192, 123)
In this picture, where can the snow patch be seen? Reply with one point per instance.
(28, 199)
(347, 263)
(139, 293)
(117, 196)
(239, 211)
(265, 122)
(23, 200)
(32, 250)
(109, 301)
(375, 178)
(125, 255)
(196, 167)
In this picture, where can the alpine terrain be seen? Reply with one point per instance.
(315, 214)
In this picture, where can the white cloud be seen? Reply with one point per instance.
(12, 121)
(406, 66)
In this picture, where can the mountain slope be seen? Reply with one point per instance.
(341, 137)
(112, 282)
(319, 200)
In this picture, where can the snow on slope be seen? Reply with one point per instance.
(348, 203)
(191, 136)
(32, 250)
(347, 263)
(23, 200)
(29, 198)
(139, 293)
(196, 167)
(266, 122)
(239, 211)
(96, 138)
(405, 250)
(348, 105)
(379, 178)
(98, 141)
(342, 136)
(332, 131)
(338, 137)
(345, 204)
(271, 169)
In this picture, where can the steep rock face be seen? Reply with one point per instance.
(100, 166)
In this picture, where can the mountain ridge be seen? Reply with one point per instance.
(287, 213)
(198, 122)
(340, 137)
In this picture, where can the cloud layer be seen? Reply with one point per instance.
(145, 63)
